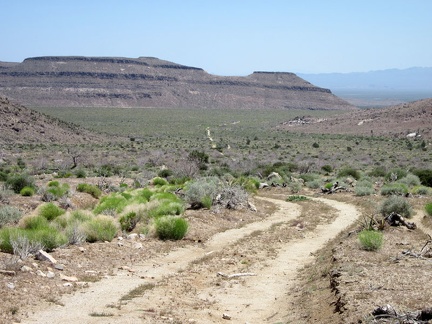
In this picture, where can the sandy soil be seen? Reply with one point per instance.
(192, 284)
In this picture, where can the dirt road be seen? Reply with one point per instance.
(192, 284)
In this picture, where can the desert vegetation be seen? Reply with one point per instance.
(162, 171)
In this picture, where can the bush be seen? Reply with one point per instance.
(370, 240)
(17, 182)
(378, 171)
(327, 168)
(397, 205)
(425, 176)
(171, 228)
(158, 181)
(410, 180)
(49, 237)
(364, 190)
(129, 221)
(27, 192)
(6, 234)
(348, 171)
(101, 228)
(90, 189)
(395, 174)
(111, 204)
(165, 173)
(9, 215)
(166, 208)
(197, 190)
(428, 208)
(421, 190)
(394, 189)
(50, 211)
(80, 173)
(34, 222)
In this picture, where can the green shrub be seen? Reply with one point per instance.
(165, 173)
(314, 184)
(158, 181)
(80, 173)
(327, 168)
(34, 222)
(370, 240)
(50, 211)
(17, 182)
(49, 237)
(410, 180)
(53, 183)
(425, 176)
(421, 190)
(90, 189)
(6, 234)
(364, 190)
(394, 189)
(395, 174)
(428, 208)
(55, 191)
(348, 171)
(328, 185)
(9, 215)
(111, 204)
(27, 192)
(101, 228)
(129, 221)
(166, 208)
(207, 202)
(378, 171)
(397, 205)
(171, 228)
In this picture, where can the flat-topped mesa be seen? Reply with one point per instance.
(79, 81)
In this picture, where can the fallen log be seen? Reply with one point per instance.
(395, 219)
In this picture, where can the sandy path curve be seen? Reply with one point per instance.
(262, 299)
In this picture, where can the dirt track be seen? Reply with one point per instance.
(183, 286)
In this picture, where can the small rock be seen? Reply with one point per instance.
(120, 238)
(67, 284)
(11, 285)
(132, 236)
(226, 316)
(50, 274)
(26, 269)
(120, 244)
(142, 236)
(44, 256)
(35, 265)
(59, 267)
(138, 246)
(40, 273)
(67, 278)
(81, 249)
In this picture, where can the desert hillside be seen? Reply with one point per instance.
(396, 121)
(151, 82)
(19, 124)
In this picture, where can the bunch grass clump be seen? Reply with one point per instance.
(50, 211)
(90, 189)
(394, 189)
(171, 228)
(100, 228)
(27, 192)
(297, 198)
(370, 240)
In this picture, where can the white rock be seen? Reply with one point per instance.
(67, 284)
(40, 273)
(67, 278)
(26, 269)
(44, 256)
(138, 246)
(50, 274)
(11, 285)
(132, 236)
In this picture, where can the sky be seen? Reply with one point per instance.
(226, 37)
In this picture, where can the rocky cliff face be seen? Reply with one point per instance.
(150, 82)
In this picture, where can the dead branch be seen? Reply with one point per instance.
(236, 275)
(395, 219)
(416, 317)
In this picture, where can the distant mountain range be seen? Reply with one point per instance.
(78, 81)
(412, 79)
(377, 88)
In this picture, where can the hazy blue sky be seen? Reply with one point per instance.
(226, 37)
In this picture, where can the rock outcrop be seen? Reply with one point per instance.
(76, 81)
